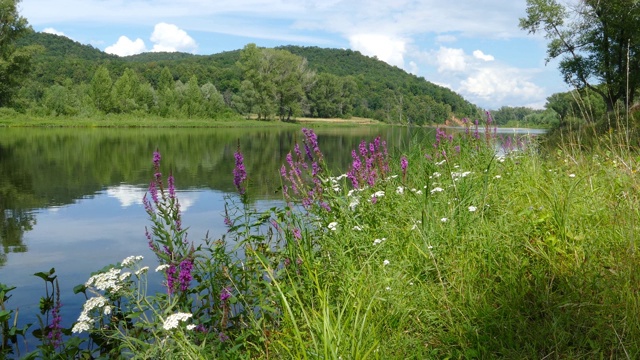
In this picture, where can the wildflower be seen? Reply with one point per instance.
(441, 162)
(131, 260)
(385, 262)
(185, 274)
(388, 288)
(357, 228)
(436, 189)
(400, 190)
(297, 234)
(81, 326)
(378, 241)
(445, 219)
(414, 227)
(436, 174)
(142, 270)
(162, 267)
(191, 327)
(404, 163)
(239, 172)
(332, 226)
(497, 177)
(378, 194)
(106, 310)
(109, 280)
(572, 175)
(225, 294)
(472, 208)
(173, 320)
(223, 337)
(55, 330)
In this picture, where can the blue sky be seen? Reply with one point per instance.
(473, 47)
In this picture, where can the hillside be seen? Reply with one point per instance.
(378, 90)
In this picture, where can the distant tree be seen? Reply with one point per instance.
(192, 105)
(101, 84)
(125, 92)
(597, 41)
(213, 101)
(15, 62)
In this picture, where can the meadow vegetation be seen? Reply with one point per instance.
(456, 250)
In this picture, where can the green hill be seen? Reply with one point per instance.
(380, 91)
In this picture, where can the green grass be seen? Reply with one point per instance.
(545, 267)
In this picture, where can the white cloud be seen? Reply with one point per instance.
(498, 85)
(53, 31)
(129, 195)
(445, 38)
(170, 38)
(449, 59)
(165, 37)
(413, 67)
(482, 56)
(386, 48)
(125, 47)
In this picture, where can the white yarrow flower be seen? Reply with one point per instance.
(173, 320)
(142, 270)
(131, 260)
(572, 175)
(357, 228)
(81, 326)
(437, 189)
(444, 220)
(378, 194)
(385, 262)
(191, 327)
(332, 226)
(472, 208)
(497, 177)
(400, 190)
(162, 267)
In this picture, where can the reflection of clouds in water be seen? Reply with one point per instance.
(127, 194)
(131, 195)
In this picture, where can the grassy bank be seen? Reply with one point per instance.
(14, 119)
(445, 251)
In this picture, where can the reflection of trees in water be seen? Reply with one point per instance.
(16, 198)
(45, 167)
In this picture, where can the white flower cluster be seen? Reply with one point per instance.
(379, 241)
(85, 321)
(131, 260)
(107, 281)
(458, 175)
(335, 186)
(173, 320)
(333, 226)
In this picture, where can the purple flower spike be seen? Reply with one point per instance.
(239, 172)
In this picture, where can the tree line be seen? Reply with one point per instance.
(71, 79)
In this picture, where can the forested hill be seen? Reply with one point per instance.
(329, 83)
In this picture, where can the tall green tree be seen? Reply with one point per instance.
(125, 92)
(597, 42)
(101, 84)
(15, 62)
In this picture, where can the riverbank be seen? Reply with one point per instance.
(13, 119)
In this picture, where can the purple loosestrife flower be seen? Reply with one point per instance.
(55, 328)
(223, 337)
(156, 159)
(297, 234)
(239, 172)
(185, 274)
(225, 294)
(172, 188)
(170, 273)
(404, 163)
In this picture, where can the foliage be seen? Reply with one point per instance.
(15, 61)
(597, 41)
(281, 83)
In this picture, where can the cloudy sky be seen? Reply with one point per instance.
(474, 47)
